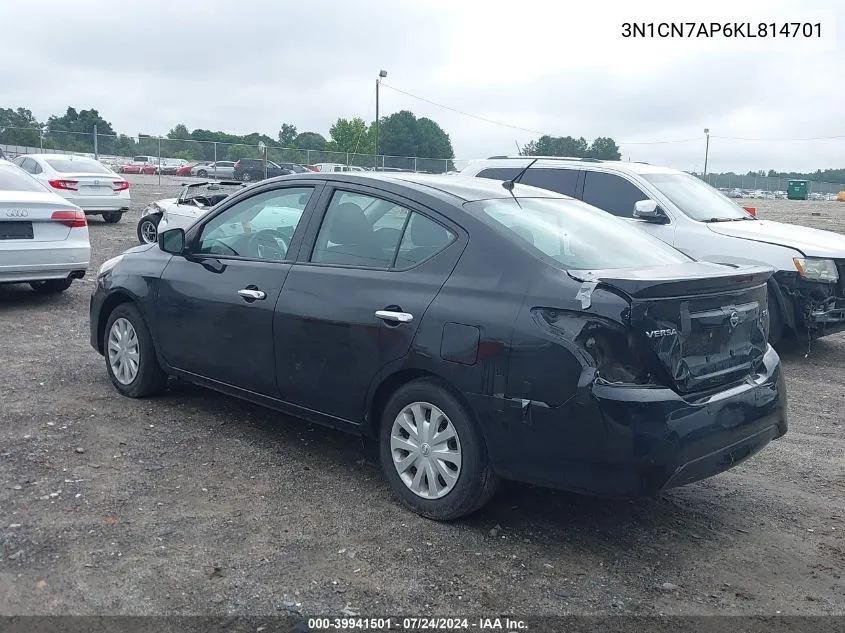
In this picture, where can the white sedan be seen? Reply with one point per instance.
(84, 181)
(43, 237)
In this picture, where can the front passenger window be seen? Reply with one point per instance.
(260, 227)
(611, 193)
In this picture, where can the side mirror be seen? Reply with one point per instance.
(172, 241)
(648, 211)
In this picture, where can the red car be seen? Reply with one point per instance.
(185, 170)
(138, 168)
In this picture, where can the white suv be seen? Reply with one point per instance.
(807, 291)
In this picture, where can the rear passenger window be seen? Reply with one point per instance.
(362, 231)
(557, 180)
(348, 235)
(611, 193)
(422, 239)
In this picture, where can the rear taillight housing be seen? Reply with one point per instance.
(67, 185)
(120, 185)
(238, 165)
(73, 219)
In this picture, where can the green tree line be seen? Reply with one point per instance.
(400, 134)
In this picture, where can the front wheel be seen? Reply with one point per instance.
(112, 217)
(246, 177)
(50, 286)
(202, 173)
(432, 453)
(130, 355)
(148, 229)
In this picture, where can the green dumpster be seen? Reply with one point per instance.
(797, 190)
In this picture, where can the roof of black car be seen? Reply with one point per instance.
(466, 188)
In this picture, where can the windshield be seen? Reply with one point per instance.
(696, 198)
(78, 165)
(575, 235)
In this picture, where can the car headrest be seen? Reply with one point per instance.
(349, 225)
(426, 233)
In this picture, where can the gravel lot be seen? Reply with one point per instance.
(195, 503)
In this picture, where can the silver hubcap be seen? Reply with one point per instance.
(124, 355)
(148, 231)
(426, 450)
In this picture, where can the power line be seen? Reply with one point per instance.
(517, 127)
(472, 116)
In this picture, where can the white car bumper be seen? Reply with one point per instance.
(42, 260)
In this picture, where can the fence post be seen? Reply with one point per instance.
(415, 164)
(96, 153)
(307, 156)
(215, 158)
(159, 160)
(347, 159)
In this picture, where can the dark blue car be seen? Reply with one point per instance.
(477, 330)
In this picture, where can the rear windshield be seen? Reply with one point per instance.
(77, 165)
(15, 179)
(575, 235)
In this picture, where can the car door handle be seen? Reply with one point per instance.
(397, 317)
(251, 293)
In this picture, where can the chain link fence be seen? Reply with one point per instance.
(116, 150)
(168, 154)
(750, 184)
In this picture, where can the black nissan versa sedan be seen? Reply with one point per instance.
(478, 330)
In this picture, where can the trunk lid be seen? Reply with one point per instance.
(26, 215)
(704, 322)
(92, 185)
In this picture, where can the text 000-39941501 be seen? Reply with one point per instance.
(722, 29)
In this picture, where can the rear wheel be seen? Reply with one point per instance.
(432, 454)
(246, 176)
(130, 355)
(112, 217)
(50, 286)
(148, 229)
(202, 173)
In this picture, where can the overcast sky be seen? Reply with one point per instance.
(249, 65)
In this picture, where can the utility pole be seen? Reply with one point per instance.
(381, 75)
(96, 153)
(706, 151)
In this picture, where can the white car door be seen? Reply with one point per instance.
(617, 195)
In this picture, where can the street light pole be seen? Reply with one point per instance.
(381, 75)
(706, 151)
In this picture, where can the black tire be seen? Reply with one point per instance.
(775, 321)
(112, 217)
(246, 177)
(50, 286)
(152, 222)
(202, 173)
(150, 379)
(476, 481)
